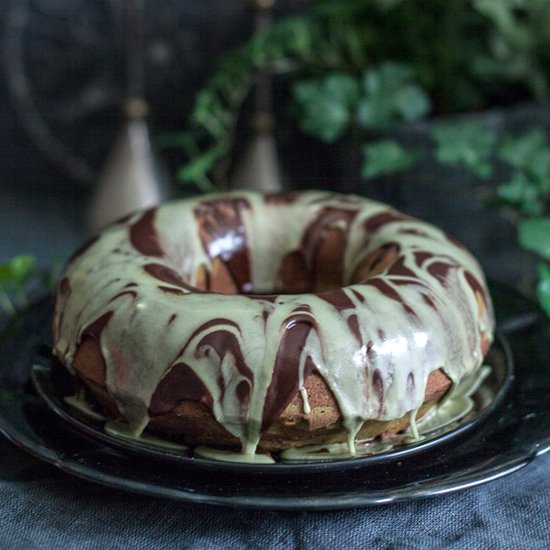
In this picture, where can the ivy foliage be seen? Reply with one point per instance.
(391, 95)
(469, 143)
(327, 105)
(21, 275)
(383, 96)
(534, 235)
(543, 287)
(529, 186)
(386, 157)
(327, 46)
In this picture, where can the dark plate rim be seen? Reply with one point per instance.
(497, 463)
(41, 378)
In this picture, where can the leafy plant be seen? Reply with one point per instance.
(469, 142)
(527, 191)
(332, 105)
(518, 43)
(327, 105)
(391, 95)
(21, 275)
(529, 186)
(534, 235)
(360, 67)
(386, 157)
(329, 44)
(543, 287)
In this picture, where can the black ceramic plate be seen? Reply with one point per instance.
(52, 383)
(509, 436)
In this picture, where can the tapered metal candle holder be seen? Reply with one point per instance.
(133, 178)
(259, 166)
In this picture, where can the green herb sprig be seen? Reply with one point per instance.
(22, 275)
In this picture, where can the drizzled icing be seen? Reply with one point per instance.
(375, 337)
(456, 405)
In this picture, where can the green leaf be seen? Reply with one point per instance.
(529, 152)
(412, 103)
(390, 96)
(326, 105)
(15, 275)
(521, 192)
(18, 270)
(534, 235)
(387, 76)
(543, 287)
(197, 168)
(470, 143)
(386, 157)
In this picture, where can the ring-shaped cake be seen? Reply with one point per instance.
(246, 321)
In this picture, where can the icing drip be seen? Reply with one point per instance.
(303, 393)
(403, 310)
(335, 451)
(453, 408)
(122, 430)
(229, 456)
(83, 407)
(456, 405)
(413, 426)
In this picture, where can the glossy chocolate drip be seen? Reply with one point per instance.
(166, 275)
(284, 198)
(64, 287)
(374, 223)
(293, 275)
(292, 365)
(180, 383)
(222, 342)
(223, 235)
(323, 247)
(93, 330)
(144, 236)
(390, 292)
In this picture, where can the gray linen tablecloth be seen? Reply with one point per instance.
(41, 507)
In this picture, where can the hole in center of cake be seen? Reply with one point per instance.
(236, 268)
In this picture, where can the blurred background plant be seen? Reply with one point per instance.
(358, 69)
(350, 75)
(361, 66)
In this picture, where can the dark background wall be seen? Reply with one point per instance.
(62, 84)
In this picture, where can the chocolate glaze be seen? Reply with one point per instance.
(180, 383)
(400, 268)
(131, 293)
(144, 237)
(172, 290)
(374, 223)
(173, 317)
(323, 246)
(94, 329)
(293, 276)
(223, 236)
(440, 270)
(285, 380)
(378, 387)
(64, 287)
(285, 197)
(390, 292)
(167, 275)
(223, 342)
